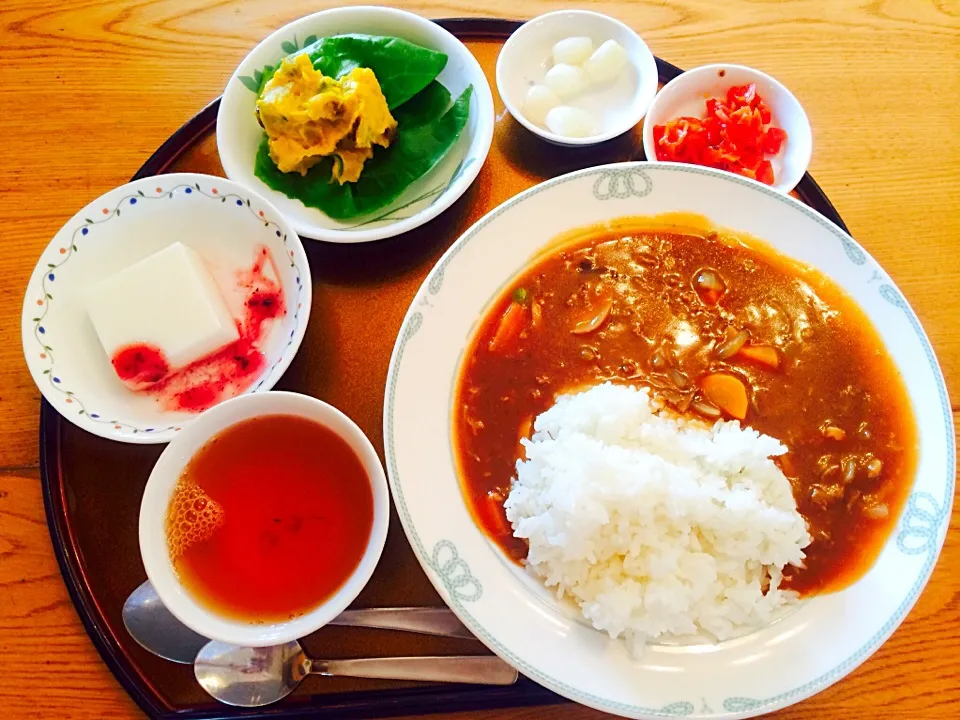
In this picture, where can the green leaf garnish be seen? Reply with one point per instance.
(249, 83)
(402, 68)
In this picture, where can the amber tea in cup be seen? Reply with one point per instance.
(269, 519)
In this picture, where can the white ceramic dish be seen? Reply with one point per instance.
(163, 479)
(826, 638)
(526, 56)
(687, 93)
(222, 221)
(239, 134)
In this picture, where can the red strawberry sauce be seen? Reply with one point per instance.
(222, 374)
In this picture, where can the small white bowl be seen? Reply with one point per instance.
(163, 479)
(223, 221)
(527, 55)
(239, 133)
(687, 93)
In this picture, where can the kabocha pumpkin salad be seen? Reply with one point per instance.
(351, 121)
(308, 116)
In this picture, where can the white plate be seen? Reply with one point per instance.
(239, 133)
(794, 658)
(221, 220)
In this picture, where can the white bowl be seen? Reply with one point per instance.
(163, 479)
(526, 57)
(512, 613)
(687, 93)
(221, 220)
(239, 133)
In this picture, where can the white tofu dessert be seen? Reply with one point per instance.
(160, 314)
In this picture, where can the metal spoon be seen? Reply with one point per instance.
(156, 629)
(251, 677)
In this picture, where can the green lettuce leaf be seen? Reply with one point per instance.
(427, 127)
(402, 68)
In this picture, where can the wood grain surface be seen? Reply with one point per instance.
(92, 87)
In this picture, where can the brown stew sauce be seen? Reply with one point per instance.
(717, 327)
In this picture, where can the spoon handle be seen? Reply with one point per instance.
(476, 669)
(426, 620)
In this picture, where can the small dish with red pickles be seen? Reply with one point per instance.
(731, 118)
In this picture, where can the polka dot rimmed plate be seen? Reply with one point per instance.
(223, 222)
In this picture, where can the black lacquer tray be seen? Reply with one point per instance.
(92, 486)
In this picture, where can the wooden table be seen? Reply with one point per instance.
(91, 88)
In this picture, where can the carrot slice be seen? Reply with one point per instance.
(496, 516)
(726, 392)
(786, 465)
(525, 431)
(763, 354)
(511, 324)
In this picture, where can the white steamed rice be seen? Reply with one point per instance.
(655, 525)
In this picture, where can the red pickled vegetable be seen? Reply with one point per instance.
(735, 135)
(773, 139)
